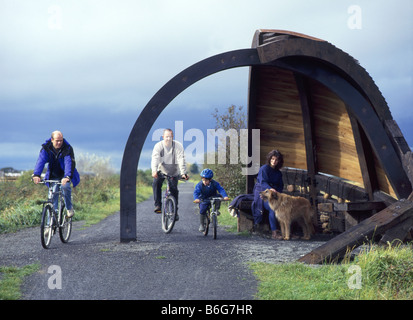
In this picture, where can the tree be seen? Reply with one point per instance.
(194, 168)
(230, 175)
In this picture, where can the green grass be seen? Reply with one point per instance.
(11, 279)
(20, 207)
(93, 199)
(385, 274)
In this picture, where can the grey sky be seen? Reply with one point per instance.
(88, 67)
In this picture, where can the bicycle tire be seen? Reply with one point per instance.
(46, 227)
(65, 228)
(206, 225)
(169, 214)
(214, 225)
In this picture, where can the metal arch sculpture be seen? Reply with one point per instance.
(312, 58)
(134, 145)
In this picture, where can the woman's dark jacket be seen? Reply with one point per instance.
(268, 178)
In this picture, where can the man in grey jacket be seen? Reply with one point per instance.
(168, 157)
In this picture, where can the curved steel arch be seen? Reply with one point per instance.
(148, 116)
(346, 79)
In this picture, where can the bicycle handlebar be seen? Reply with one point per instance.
(212, 199)
(50, 181)
(160, 174)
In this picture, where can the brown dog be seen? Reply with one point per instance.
(288, 209)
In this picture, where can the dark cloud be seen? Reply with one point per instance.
(91, 77)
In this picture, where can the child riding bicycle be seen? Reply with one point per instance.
(205, 189)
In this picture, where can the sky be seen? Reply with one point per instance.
(88, 67)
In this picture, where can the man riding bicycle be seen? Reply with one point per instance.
(60, 157)
(168, 157)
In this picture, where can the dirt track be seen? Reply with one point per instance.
(181, 265)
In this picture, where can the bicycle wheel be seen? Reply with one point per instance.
(206, 225)
(214, 225)
(169, 214)
(65, 228)
(46, 227)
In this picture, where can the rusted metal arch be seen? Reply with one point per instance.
(349, 76)
(148, 116)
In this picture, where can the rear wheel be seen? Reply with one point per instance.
(65, 226)
(169, 214)
(46, 227)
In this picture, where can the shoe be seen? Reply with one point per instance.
(176, 217)
(158, 209)
(276, 235)
(70, 213)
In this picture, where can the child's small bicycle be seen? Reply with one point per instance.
(54, 218)
(212, 215)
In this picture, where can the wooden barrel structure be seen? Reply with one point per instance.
(304, 104)
(342, 148)
(320, 108)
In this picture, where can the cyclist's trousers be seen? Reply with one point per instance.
(157, 190)
(67, 195)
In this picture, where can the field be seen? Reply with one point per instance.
(93, 199)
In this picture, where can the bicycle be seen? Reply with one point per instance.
(54, 219)
(212, 215)
(169, 208)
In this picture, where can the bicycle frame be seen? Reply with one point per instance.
(169, 209)
(57, 211)
(212, 214)
(53, 219)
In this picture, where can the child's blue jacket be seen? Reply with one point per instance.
(202, 192)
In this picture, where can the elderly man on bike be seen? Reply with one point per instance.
(168, 157)
(59, 156)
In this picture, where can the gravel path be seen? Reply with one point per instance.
(181, 265)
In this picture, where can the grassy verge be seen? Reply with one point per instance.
(11, 279)
(20, 207)
(376, 274)
(93, 199)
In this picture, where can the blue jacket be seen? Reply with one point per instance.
(267, 178)
(202, 192)
(60, 164)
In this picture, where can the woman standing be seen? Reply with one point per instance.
(269, 177)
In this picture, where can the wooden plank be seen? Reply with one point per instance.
(326, 207)
(365, 158)
(360, 206)
(398, 233)
(310, 147)
(336, 248)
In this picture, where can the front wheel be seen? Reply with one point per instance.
(46, 227)
(65, 228)
(214, 225)
(169, 214)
